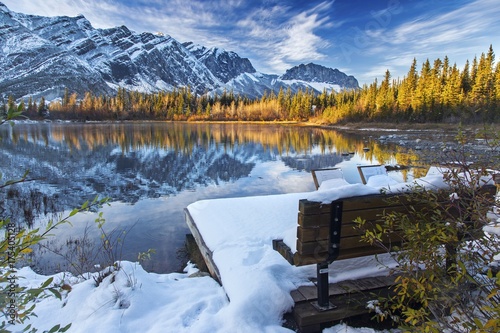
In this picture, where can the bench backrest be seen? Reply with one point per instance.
(316, 224)
(321, 226)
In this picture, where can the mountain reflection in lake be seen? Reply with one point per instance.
(153, 170)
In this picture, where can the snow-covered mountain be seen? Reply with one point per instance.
(319, 76)
(42, 56)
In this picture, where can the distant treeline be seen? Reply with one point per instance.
(437, 92)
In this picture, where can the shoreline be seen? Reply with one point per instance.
(357, 127)
(430, 141)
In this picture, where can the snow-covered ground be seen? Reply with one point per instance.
(256, 280)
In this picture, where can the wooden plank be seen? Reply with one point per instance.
(312, 234)
(307, 207)
(205, 251)
(297, 296)
(346, 244)
(362, 251)
(295, 258)
(365, 202)
(371, 214)
(349, 296)
(302, 260)
(348, 305)
(195, 253)
(366, 284)
(357, 203)
(310, 293)
(348, 229)
(312, 247)
(284, 250)
(368, 201)
(312, 221)
(308, 259)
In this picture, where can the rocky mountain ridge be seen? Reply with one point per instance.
(44, 56)
(317, 73)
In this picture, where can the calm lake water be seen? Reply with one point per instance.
(152, 171)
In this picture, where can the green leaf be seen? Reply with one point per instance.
(73, 212)
(35, 292)
(478, 323)
(65, 328)
(56, 293)
(46, 283)
(85, 205)
(54, 329)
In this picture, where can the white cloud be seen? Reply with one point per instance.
(459, 34)
(281, 43)
(449, 30)
(262, 23)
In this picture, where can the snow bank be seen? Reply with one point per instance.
(132, 300)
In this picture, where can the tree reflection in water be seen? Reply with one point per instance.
(152, 170)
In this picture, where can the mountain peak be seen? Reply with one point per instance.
(225, 65)
(4, 8)
(317, 73)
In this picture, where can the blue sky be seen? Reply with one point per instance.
(360, 38)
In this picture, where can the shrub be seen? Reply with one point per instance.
(447, 276)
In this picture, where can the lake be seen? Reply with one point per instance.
(152, 170)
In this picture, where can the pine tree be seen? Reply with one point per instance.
(65, 100)
(42, 108)
(473, 71)
(435, 91)
(407, 89)
(445, 71)
(466, 82)
(11, 104)
(496, 107)
(482, 89)
(384, 99)
(421, 100)
(452, 93)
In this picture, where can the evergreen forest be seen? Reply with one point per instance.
(432, 92)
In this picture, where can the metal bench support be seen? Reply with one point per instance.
(323, 302)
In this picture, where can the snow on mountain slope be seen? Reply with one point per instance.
(43, 56)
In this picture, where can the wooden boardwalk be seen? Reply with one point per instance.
(349, 299)
(204, 251)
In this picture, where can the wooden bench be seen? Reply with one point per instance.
(326, 232)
